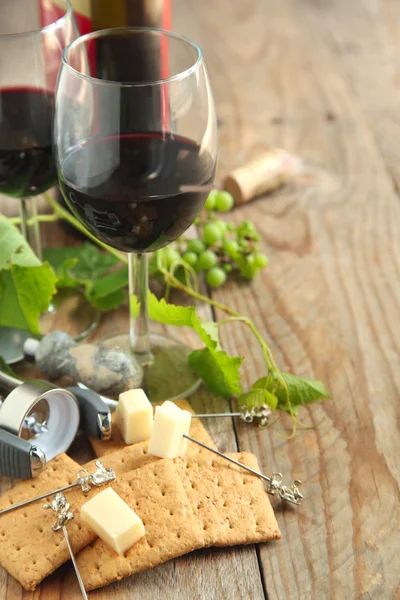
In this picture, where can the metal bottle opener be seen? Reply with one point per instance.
(39, 420)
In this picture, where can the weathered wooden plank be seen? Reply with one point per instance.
(329, 302)
(365, 37)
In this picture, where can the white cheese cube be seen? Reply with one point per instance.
(113, 520)
(170, 423)
(134, 416)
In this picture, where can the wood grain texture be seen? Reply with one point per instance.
(329, 302)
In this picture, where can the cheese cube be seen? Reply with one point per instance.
(134, 416)
(113, 520)
(170, 423)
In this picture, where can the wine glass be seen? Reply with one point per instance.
(33, 36)
(135, 123)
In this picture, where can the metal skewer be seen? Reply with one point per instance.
(60, 505)
(85, 480)
(248, 415)
(287, 493)
(78, 575)
(205, 416)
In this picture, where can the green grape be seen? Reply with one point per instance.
(221, 225)
(223, 201)
(210, 202)
(171, 256)
(231, 248)
(190, 258)
(228, 268)
(216, 277)
(246, 229)
(207, 259)
(195, 246)
(260, 260)
(211, 234)
(251, 260)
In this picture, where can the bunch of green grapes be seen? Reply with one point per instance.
(219, 249)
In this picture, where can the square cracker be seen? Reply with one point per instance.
(135, 455)
(222, 506)
(231, 503)
(29, 548)
(156, 494)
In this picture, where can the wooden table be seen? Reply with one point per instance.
(320, 79)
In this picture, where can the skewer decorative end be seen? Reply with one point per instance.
(288, 493)
(60, 505)
(102, 475)
(257, 412)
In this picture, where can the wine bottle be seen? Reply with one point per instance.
(102, 14)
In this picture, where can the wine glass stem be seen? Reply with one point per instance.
(139, 320)
(30, 225)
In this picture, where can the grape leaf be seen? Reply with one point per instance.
(219, 371)
(11, 314)
(86, 266)
(109, 302)
(109, 284)
(256, 398)
(211, 329)
(65, 280)
(171, 314)
(181, 316)
(263, 383)
(301, 391)
(14, 250)
(34, 286)
(57, 257)
(26, 285)
(25, 292)
(91, 262)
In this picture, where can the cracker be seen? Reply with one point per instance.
(212, 503)
(29, 549)
(124, 458)
(157, 495)
(231, 503)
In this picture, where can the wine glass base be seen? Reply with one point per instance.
(72, 313)
(169, 377)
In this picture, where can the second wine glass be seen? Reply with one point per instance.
(135, 123)
(33, 36)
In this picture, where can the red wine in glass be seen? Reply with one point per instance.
(26, 160)
(126, 188)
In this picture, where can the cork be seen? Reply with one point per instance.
(266, 173)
